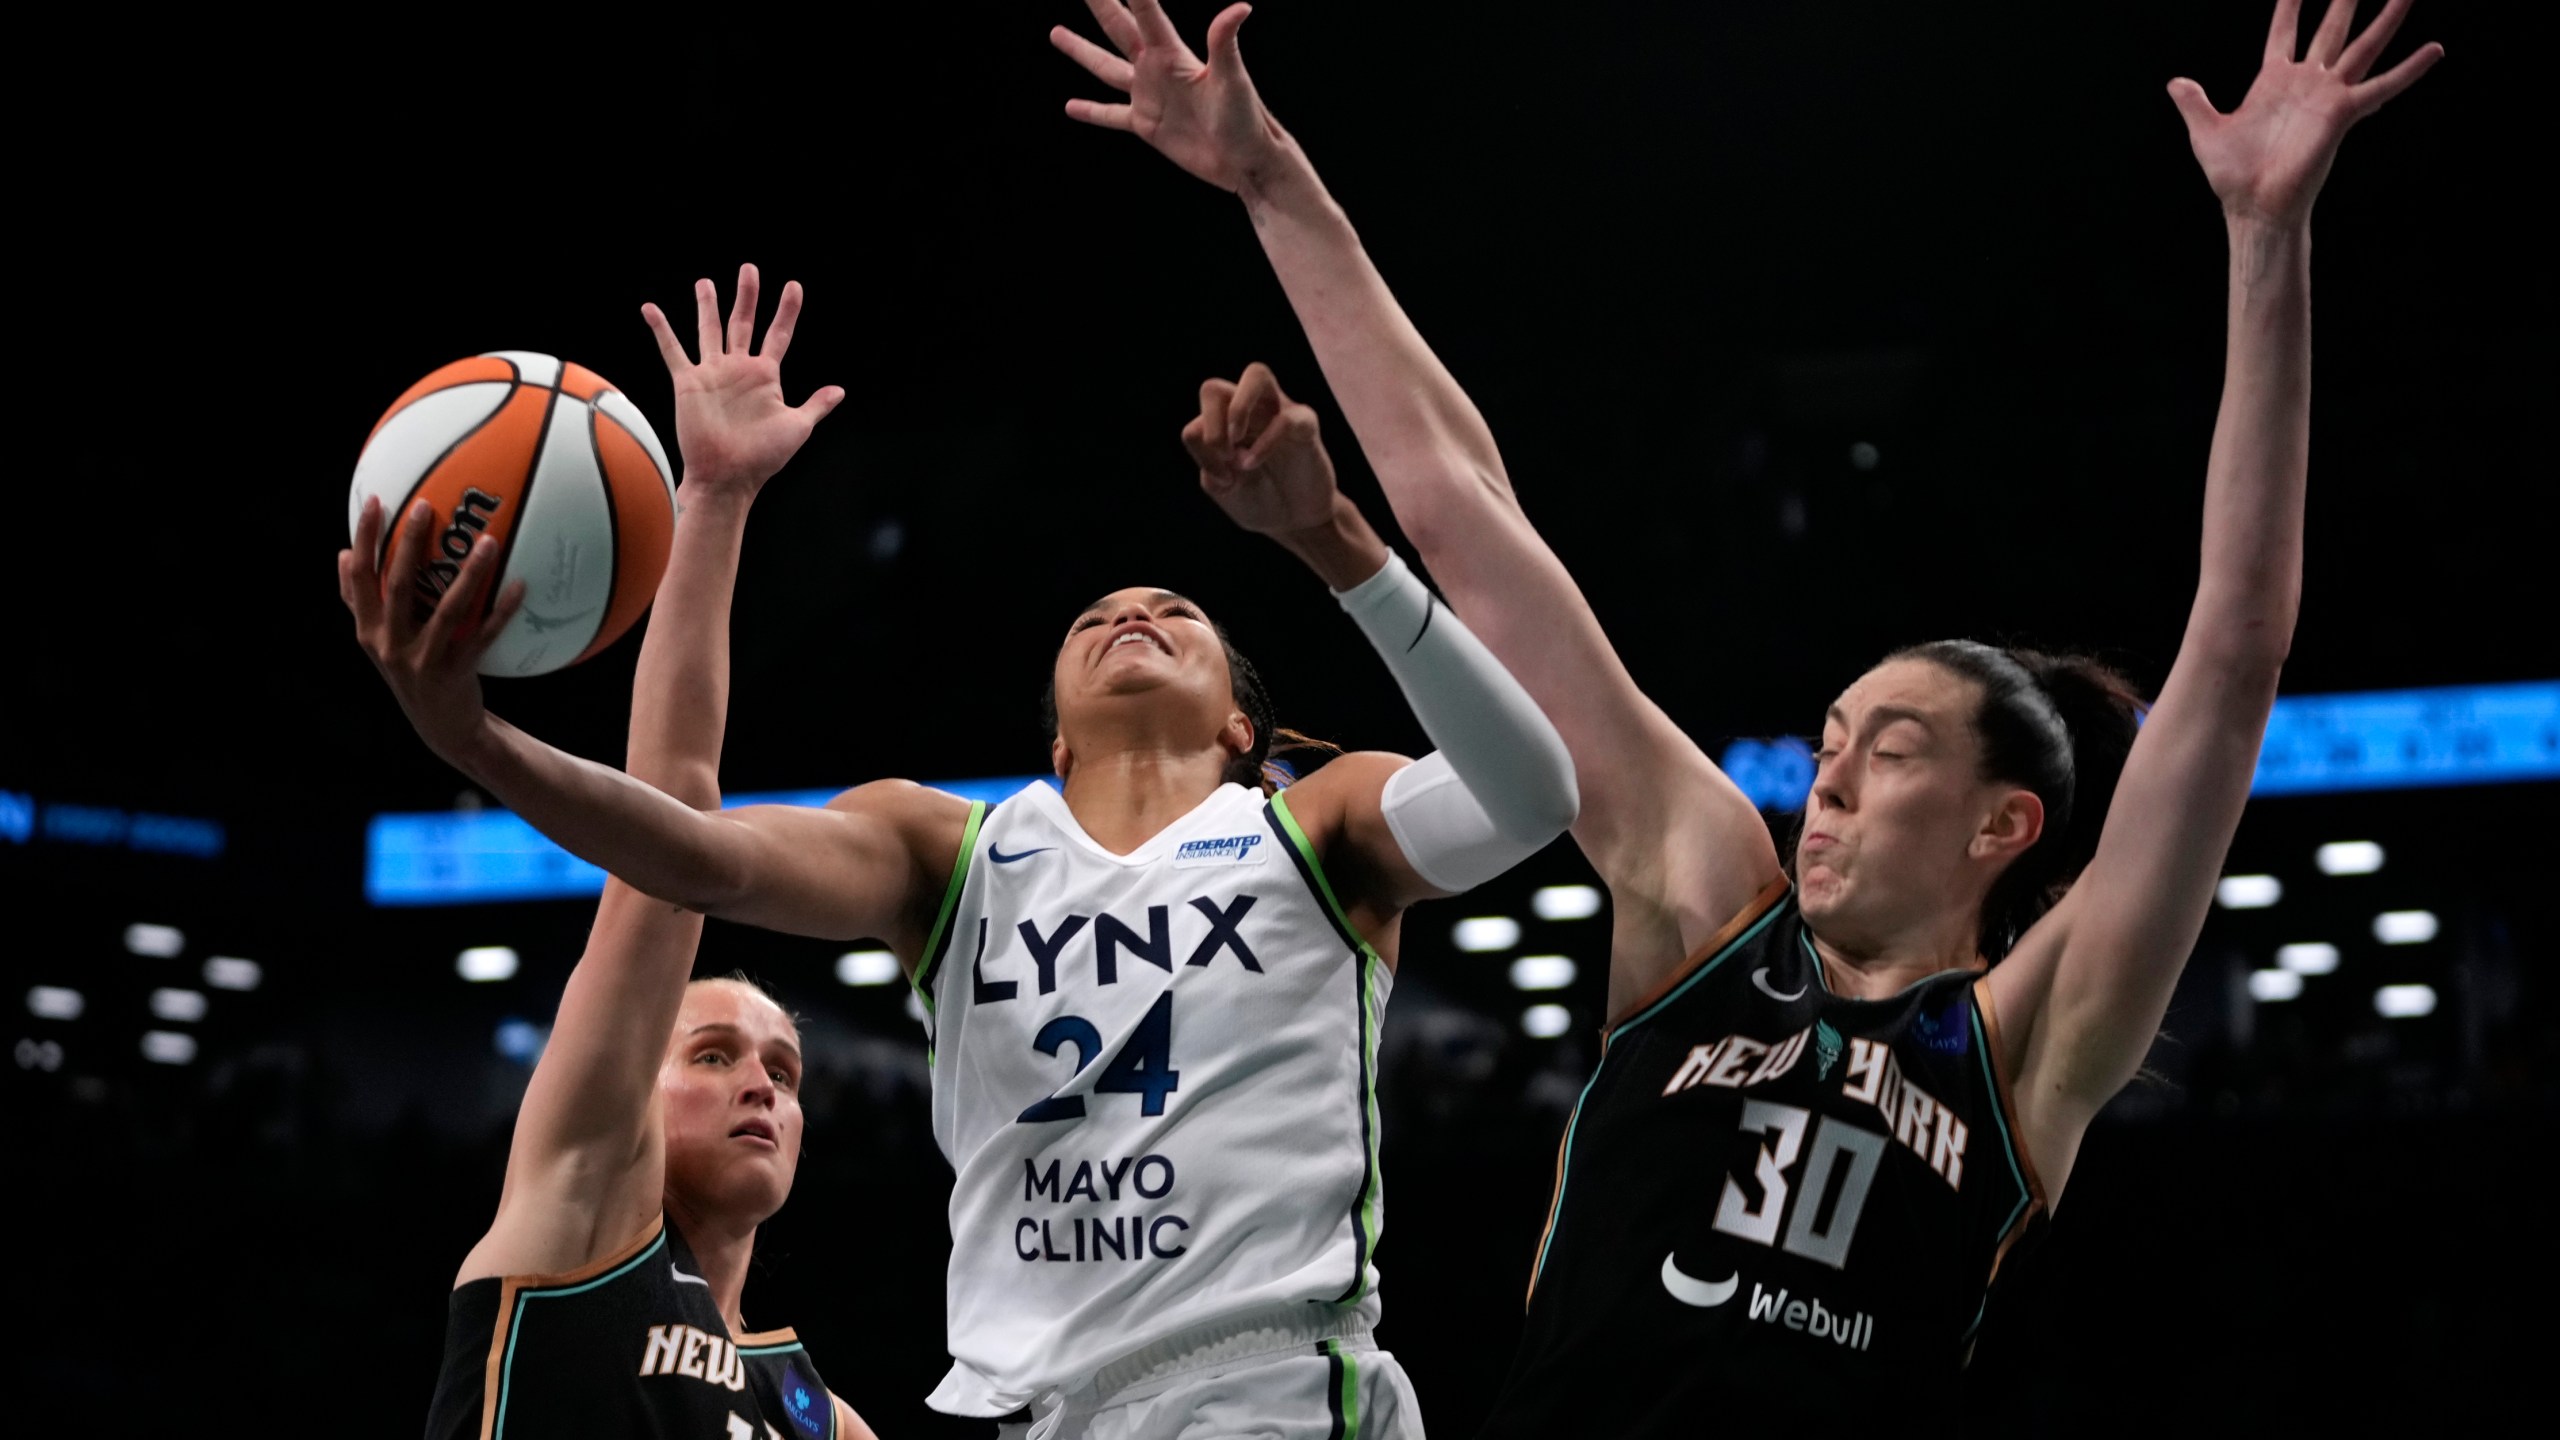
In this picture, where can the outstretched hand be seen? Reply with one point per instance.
(427, 645)
(1202, 115)
(1260, 456)
(732, 425)
(2266, 160)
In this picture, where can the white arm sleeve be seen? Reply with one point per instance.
(1501, 785)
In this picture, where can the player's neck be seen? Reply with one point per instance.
(1125, 795)
(721, 1255)
(1864, 967)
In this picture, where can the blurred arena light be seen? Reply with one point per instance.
(2308, 958)
(34, 1054)
(2404, 927)
(1541, 972)
(230, 972)
(2248, 892)
(168, 1047)
(867, 967)
(1546, 1022)
(483, 963)
(520, 1040)
(1565, 902)
(183, 1007)
(2268, 986)
(2349, 857)
(2404, 1002)
(915, 1007)
(1479, 933)
(161, 942)
(55, 1002)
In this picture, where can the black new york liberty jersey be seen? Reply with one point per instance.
(1772, 1201)
(630, 1346)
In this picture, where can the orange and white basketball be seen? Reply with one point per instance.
(552, 463)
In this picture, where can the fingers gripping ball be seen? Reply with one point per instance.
(558, 468)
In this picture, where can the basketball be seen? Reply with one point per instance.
(554, 464)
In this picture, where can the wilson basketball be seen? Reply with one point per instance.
(554, 465)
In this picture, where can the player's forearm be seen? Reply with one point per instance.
(2250, 583)
(656, 843)
(1432, 451)
(680, 695)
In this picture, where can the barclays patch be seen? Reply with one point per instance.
(805, 1403)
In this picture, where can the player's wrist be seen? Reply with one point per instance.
(1342, 550)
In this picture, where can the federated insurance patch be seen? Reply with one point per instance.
(1225, 850)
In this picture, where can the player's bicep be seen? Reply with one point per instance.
(843, 871)
(2132, 918)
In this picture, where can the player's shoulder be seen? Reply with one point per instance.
(904, 803)
(1344, 780)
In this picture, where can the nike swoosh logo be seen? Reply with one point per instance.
(684, 1279)
(1688, 1290)
(1002, 858)
(1760, 979)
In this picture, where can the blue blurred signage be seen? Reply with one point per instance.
(465, 857)
(2316, 744)
(24, 819)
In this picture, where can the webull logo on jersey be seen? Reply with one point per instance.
(1855, 1330)
(1226, 850)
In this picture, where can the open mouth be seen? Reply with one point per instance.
(755, 1130)
(1137, 632)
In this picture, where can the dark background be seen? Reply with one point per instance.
(1683, 257)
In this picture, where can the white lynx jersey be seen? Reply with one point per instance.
(1153, 1074)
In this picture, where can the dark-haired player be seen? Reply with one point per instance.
(1825, 1109)
(1155, 991)
(662, 1124)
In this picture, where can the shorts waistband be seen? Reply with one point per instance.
(1257, 1332)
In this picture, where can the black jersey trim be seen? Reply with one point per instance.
(1774, 899)
(2004, 1103)
(1365, 964)
(518, 1290)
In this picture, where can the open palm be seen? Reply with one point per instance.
(732, 424)
(2266, 159)
(1203, 115)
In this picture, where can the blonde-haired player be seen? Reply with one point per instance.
(662, 1125)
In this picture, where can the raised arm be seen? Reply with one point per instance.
(850, 870)
(1498, 787)
(2084, 993)
(1680, 846)
(584, 1170)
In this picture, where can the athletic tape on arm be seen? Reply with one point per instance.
(1501, 784)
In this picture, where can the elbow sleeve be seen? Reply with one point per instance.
(1501, 784)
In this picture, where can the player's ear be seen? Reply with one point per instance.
(1060, 759)
(1237, 735)
(2015, 823)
